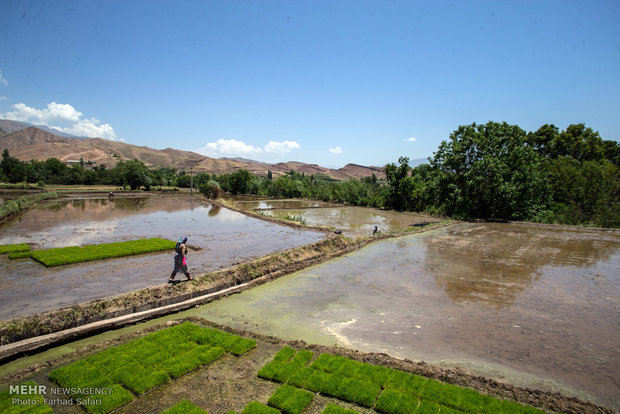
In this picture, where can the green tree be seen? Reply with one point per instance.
(13, 170)
(241, 182)
(133, 174)
(400, 185)
(488, 171)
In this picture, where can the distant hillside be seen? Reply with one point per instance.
(32, 143)
(8, 127)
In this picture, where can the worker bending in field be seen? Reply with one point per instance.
(180, 260)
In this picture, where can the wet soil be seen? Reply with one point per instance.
(231, 382)
(218, 238)
(533, 306)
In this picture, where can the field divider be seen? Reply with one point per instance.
(9, 351)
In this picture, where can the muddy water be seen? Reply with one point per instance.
(538, 307)
(218, 237)
(355, 221)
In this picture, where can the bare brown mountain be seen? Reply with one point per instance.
(35, 144)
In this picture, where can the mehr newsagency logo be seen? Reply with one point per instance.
(42, 394)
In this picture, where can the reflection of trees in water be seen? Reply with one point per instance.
(214, 210)
(494, 263)
(65, 211)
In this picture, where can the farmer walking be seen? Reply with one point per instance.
(180, 261)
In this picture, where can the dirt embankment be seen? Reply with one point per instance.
(549, 401)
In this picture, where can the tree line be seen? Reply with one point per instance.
(483, 171)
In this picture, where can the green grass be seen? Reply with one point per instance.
(395, 402)
(290, 400)
(34, 400)
(336, 409)
(389, 391)
(66, 255)
(145, 363)
(14, 248)
(258, 408)
(184, 407)
(19, 255)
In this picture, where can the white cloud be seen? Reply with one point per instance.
(70, 120)
(90, 127)
(228, 147)
(53, 112)
(412, 139)
(283, 147)
(336, 150)
(236, 148)
(3, 98)
(3, 81)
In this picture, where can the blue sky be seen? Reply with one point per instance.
(326, 82)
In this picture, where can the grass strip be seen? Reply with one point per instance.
(19, 255)
(145, 363)
(184, 407)
(336, 409)
(259, 408)
(14, 248)
(390, 391)
(66, 255)
(19, 204)
(290, 400)
(30, 402)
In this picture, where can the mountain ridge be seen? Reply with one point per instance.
(33, 143)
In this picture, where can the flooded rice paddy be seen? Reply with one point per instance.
(351, 221)
(218, 237)
(535, 306)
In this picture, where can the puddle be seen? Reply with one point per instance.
(218, 238)
(355, 221)
(537, 307)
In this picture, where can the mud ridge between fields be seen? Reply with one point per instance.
(547, 400)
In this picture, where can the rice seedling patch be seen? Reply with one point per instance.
(389, 391)
(19, 255)
(148, 362)
(28, 402)
(258, 408)
(74, 254)
(14, 248)
(336, 409)
(395, 402)
(290, 400)
(184, 407)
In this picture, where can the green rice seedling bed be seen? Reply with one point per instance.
(145, 363)
(184, 407)
(389, 391)
(14, 248)
(336, 409)
(290, 400)
(31, 402)
(66, 255)
(259, 408)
